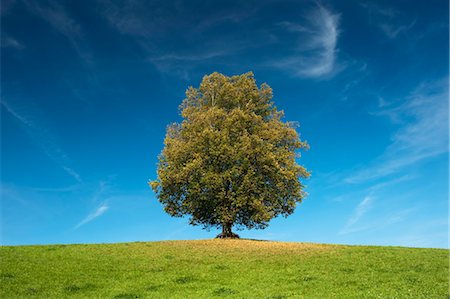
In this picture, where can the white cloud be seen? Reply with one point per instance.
(392, 31)
(391, 182)
(11, 192)
(100, 210)
(97, 196)
(9, 42)
(423, 132)
(390, 21)
(131, 17)
(59, 19)
(153, 28)
(44, 139)
(315, 55)
(72, 172)
(126, 18)
(373, 9)
(360, 210)
(193, 56)
(19, 117)
(182, 62)
(71, 189)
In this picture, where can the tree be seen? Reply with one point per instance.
(231, 161)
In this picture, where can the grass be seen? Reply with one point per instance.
(222, 269)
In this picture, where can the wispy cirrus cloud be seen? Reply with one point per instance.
(361, 209)
(392, 31)
(182, 62)
(101, 194)
(99, 211)
(55, 14)
(192, 56)
(368, 216)
(11, 192)
(311, 55)
(9, 42)
(423, 131)
(364, 211)
(43, 138)
(127, 17)
(145, 19)
(154, 27)
(315, 54)
(389, 20)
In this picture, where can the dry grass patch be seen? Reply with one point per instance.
(245, 246)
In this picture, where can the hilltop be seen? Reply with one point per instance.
(222, 268)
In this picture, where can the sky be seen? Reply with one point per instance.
(88, 88)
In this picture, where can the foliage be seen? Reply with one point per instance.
(222, 268)
(232, 159)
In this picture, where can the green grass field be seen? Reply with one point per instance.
(222, 268)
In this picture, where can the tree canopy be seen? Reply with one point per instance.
(232, 160)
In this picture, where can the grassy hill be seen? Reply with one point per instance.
(222, 268)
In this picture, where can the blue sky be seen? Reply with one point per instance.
(88, 87)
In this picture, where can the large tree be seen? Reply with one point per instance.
(232, 160)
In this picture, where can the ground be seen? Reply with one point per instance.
(222, 268)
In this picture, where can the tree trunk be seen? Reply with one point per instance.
(227, 233)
